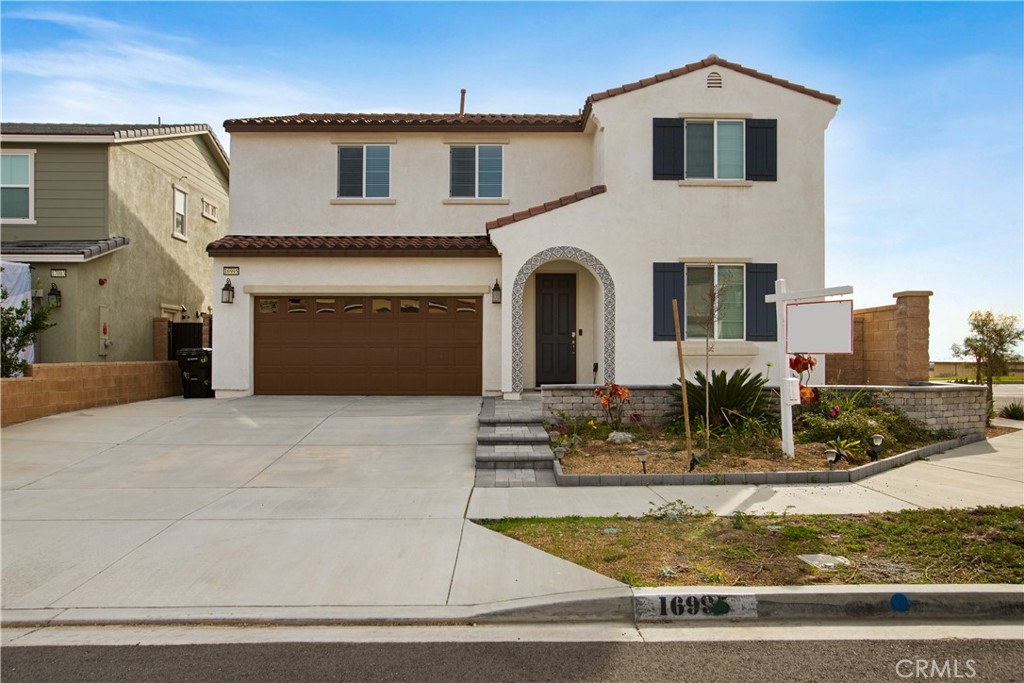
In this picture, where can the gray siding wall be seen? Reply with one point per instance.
(70, 194)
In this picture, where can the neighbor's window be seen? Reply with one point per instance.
(476, 171)
(364, 171)
(16, 191)
(714, 299)
(714, 149)
(180, 212)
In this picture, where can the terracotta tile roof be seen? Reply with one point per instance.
(418, 122)
(546, 206)
(491, 122)
(345, 245)
(710, 60)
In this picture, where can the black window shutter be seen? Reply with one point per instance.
(350, 171)
(761, 320)
(668, 149)
(762, 149)
(668, 285)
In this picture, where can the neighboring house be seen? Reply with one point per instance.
(116, 218)
(365, 247)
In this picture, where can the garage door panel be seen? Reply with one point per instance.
(368, 345)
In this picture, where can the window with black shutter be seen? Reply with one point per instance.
(762, 149)
(668, 285)
(761, 321)
(668, 149)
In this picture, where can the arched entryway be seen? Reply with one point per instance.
(607, 292)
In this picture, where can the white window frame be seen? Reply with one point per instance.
(476, 169)
(714, 324)
(363, 146)
(183, 235)
(210, 210)
(31, 154)
(714, 148)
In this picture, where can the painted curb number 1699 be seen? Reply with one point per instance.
(693, 605)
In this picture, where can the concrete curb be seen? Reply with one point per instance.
(764, 478)
(818, 603)
(640, 605)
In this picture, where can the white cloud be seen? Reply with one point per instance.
(115, 72)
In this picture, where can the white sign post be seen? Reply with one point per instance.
(780, 299)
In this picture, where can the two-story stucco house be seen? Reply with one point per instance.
(368, 250)
(116, 219)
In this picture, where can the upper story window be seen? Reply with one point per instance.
(714, 149)
(476, 171)
(364, 171)
(210, 211)
(17, 191)
(180, 213)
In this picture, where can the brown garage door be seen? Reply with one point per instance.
(336, 345)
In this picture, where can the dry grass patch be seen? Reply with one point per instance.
(697, 549)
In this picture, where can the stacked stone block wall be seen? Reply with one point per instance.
(53, 388)
(961, 409)
(161, 338)
(655, 404)
(890, 344)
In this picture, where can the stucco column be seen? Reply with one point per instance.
(911, 357)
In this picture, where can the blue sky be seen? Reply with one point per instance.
(924, 161)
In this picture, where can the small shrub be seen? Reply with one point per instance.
(858, 425)
(1014, 411)
(733, 399)
(614, 398)
(739, 520)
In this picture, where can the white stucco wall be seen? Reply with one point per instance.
(233, 335)
(640, 221)
(284, 183)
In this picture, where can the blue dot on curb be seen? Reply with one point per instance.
(900, 602)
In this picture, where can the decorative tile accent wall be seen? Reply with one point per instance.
(607, 287)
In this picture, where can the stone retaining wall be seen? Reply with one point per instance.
(961, 409)
(53, 388)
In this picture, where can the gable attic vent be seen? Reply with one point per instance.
(714, 80)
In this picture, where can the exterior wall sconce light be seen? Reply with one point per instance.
(227, 294)
(54, 295)
(875, 449)
(496, 293)
(642, 455)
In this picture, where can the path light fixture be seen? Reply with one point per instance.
(227, 294)
(694, 461)
(560, 453)
(496, 292)
(54, 295)
(832, 455)
(642, 455)
(875, 449)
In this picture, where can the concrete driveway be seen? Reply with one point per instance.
(261, 507)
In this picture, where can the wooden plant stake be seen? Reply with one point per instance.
(682, 376)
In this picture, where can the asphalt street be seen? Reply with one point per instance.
(736, 662)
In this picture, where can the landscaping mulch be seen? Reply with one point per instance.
(669, 456)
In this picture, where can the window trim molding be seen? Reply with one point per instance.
(209, 215)
(31, 154)
(183, 235)
(365, 201)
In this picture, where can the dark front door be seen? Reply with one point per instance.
(556, 329)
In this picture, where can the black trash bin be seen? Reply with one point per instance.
(196, 366)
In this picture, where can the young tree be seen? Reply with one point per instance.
(991, 342)
(19, 327)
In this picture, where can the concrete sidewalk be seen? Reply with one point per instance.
(338, 510)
